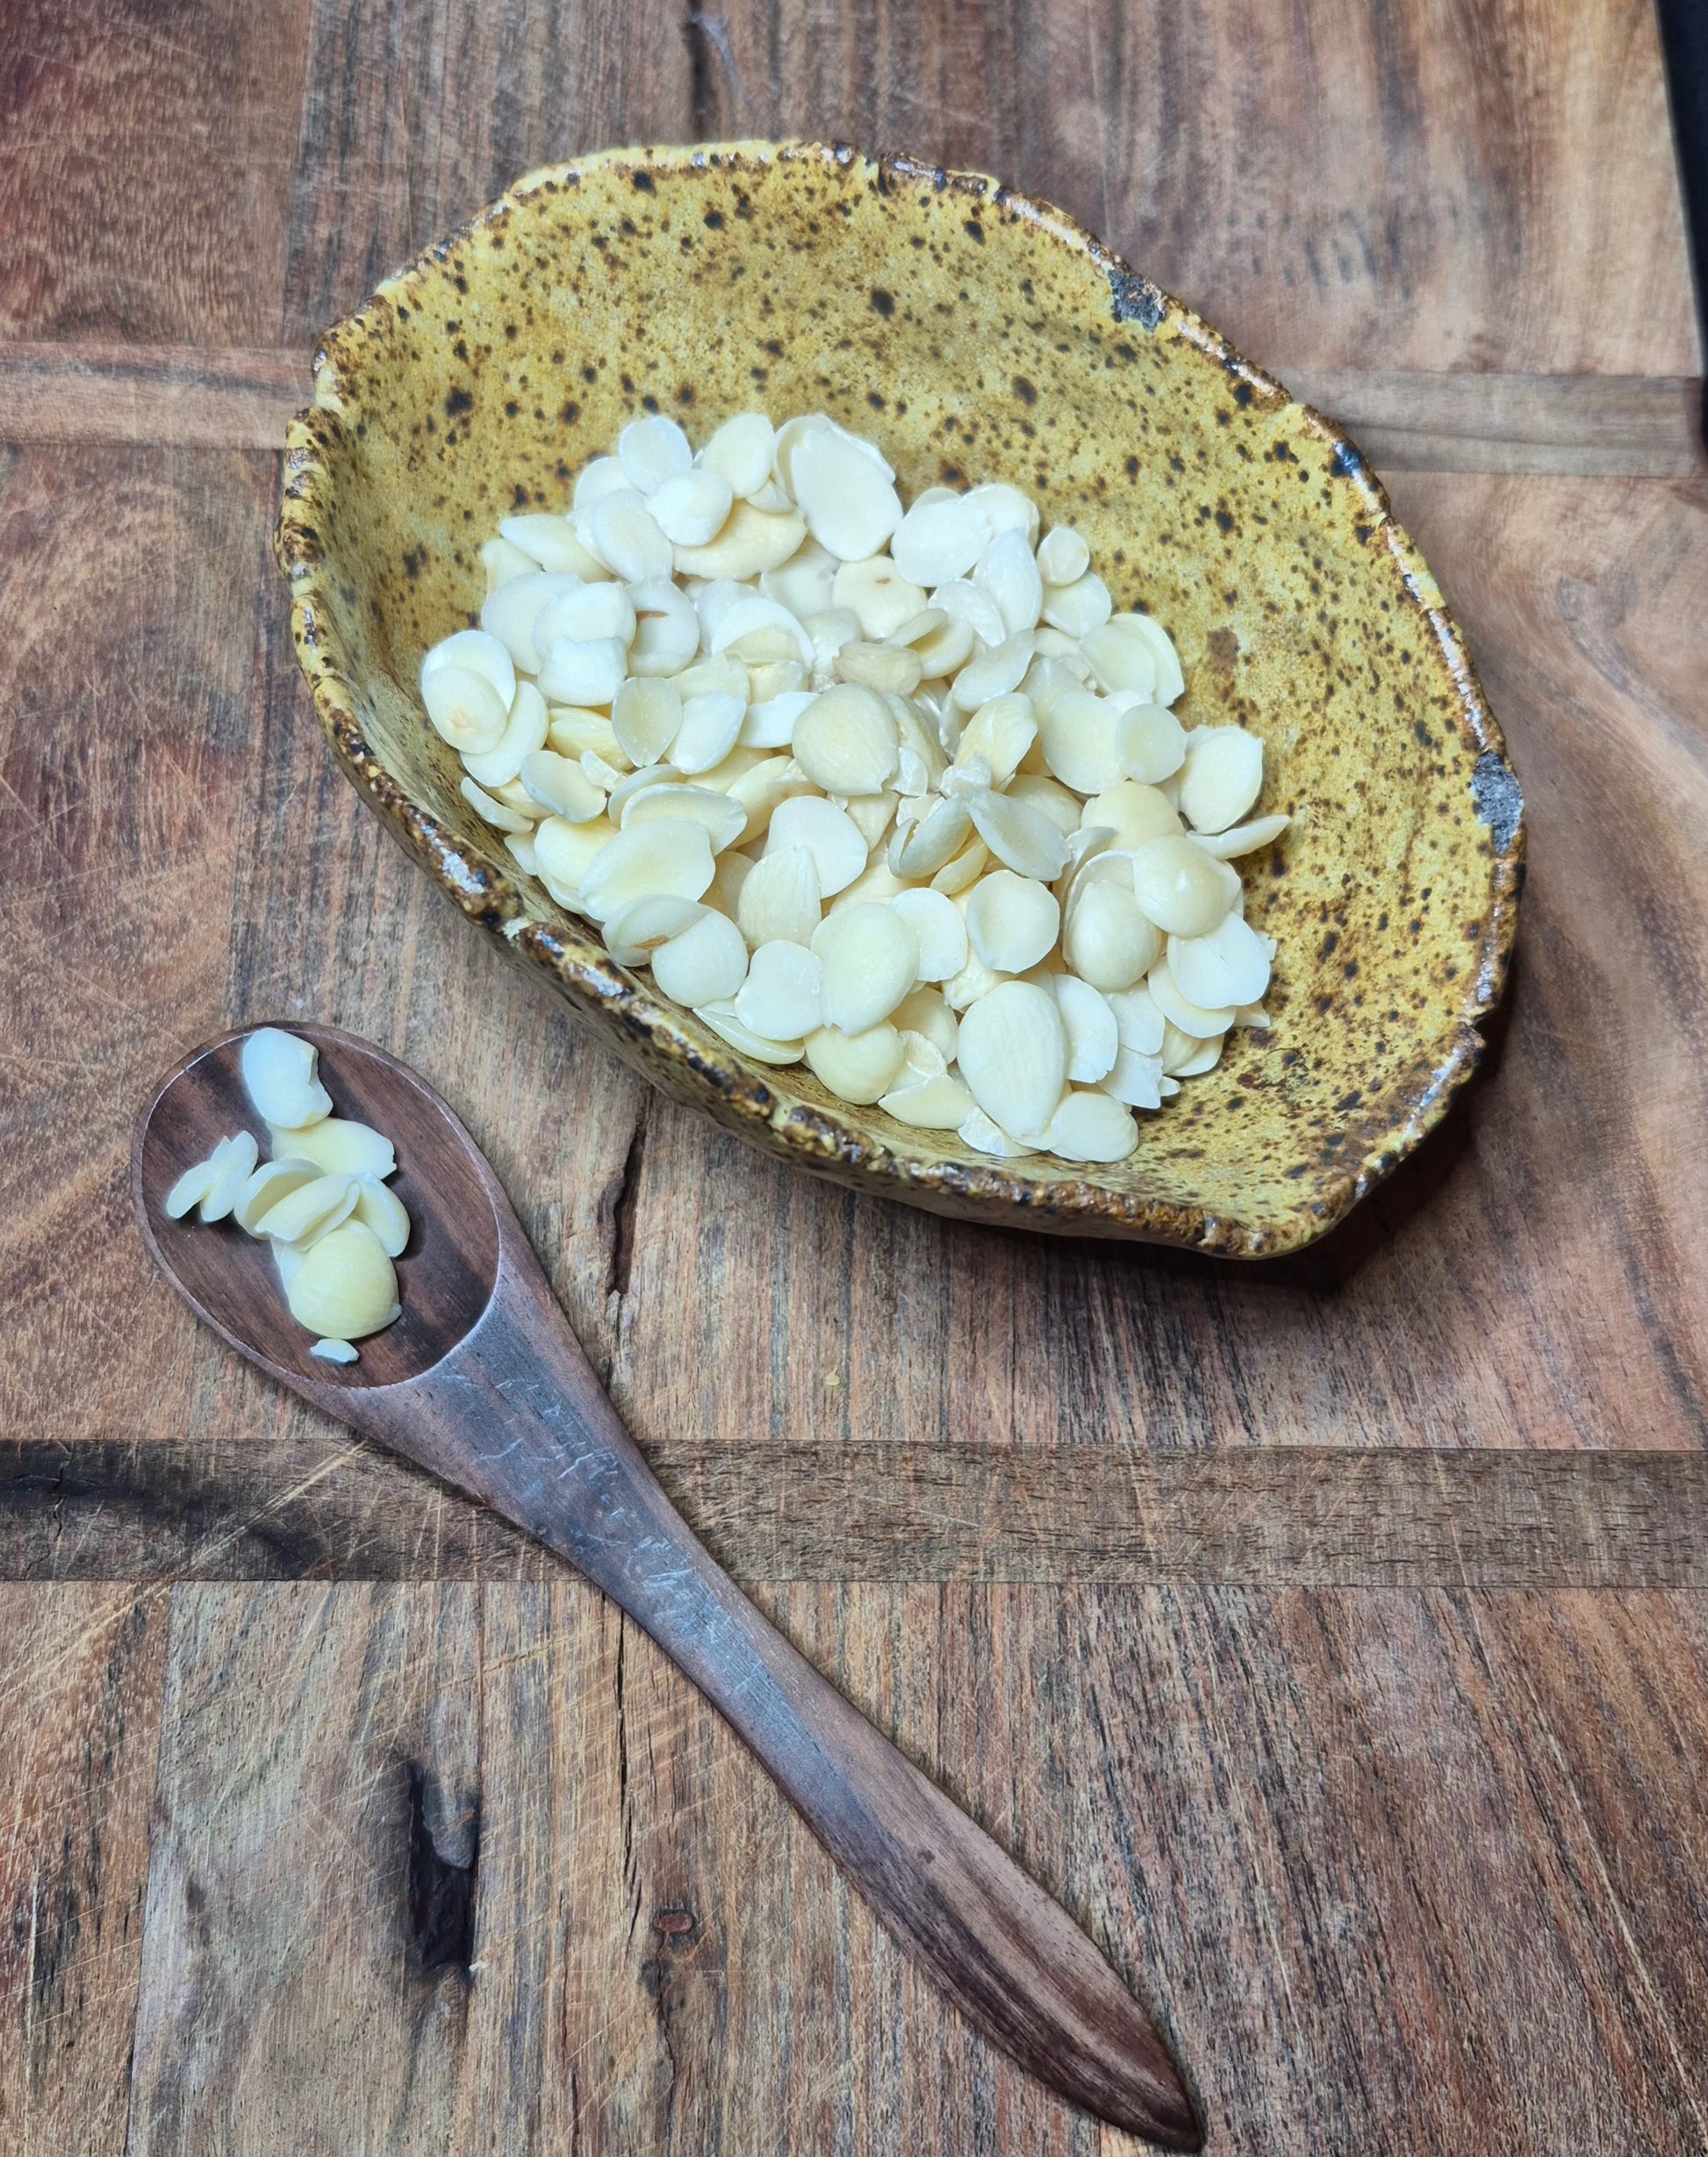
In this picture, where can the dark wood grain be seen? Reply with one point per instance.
(288, 1986)
(190, 396)
(144, 165)
(1428, 1867)
(1607, 426)
(1430, 183)
(324, 1508)
(81, 1678)
(482, 1383)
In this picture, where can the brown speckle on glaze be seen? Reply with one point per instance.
(1318, 625)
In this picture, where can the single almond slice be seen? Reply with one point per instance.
(880, 596)
(346, 1286)
(466, 710)
(478, 652)
(385, 1212)
(1183, 889)
(870, 960)
(1013, 1055)
(993, 673)
(706, 963)
(340, 1146)
(560, 784)
(1080, 740)
(1091, 1127)
(1023, 839)
(930, 1104)
(1137, 1078)
(666, 629)
(1134, 813)
(589, 673)
(634, 931)
(669, 854)
(1093, 1032)
(692, 508)
(740, 453)
(652, 452)
(1244, 838)
(1012, 921)
(1150, 743)
(1221, 777)
(1107, 940)
(851, 507)
(1119, 658)
(279, 1078)
(1199, 1020)
(266, 1185)
(721, 1018)
(600, 477)
(1139, 1020)
(781, 998)
(781, 898)
(645, 715)
(984, 1136)
(936, 921)
(723, 820)
(585, 612)
(846, 741)
(1063, 555)
(771, 724)
(711, 726)
(752, 541)
(939, 539)
(1007, 571)
(623, 533)
(1078, 607)
(1224, 969)
(805, 584)
(828, 833)
(858, 1067)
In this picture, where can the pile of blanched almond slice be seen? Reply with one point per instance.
(895, 791)
(320, 1202)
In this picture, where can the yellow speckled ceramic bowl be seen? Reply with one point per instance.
(977, 336)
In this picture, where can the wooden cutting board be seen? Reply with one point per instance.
(1329, 1635)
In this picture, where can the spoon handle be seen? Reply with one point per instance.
(514, 1415)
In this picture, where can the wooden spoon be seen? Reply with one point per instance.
(483, 1383)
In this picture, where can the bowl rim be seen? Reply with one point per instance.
(647, 1030)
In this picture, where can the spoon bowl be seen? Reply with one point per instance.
(448, 1271)
(481, 1381)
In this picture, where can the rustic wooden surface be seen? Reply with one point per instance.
(1330, 1636)
(483, 1384)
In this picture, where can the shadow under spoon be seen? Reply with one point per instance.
(483, 1383)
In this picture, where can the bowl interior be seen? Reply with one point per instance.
(975, 335)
